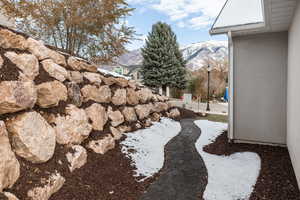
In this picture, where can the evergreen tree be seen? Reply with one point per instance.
(163, 63)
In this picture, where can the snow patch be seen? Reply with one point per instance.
(229, 177)
(146, 147)
(106, 72)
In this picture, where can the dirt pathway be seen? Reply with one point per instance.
(184, 176)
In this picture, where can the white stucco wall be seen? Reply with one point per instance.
(293, 93)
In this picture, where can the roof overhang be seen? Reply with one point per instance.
(236, 28)
(277, 16)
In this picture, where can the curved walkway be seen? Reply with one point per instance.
(184, 176)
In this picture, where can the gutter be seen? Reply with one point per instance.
(238, 28)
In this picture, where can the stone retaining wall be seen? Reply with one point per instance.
(49, 97)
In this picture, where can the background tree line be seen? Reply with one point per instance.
(93, 29)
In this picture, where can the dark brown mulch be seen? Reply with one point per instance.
(107, 177)
(277, 180)
(31, 174)
(84, 83)
(9, 71)
(3, 197)
(57, 110)
(43, 76)
(187, 114)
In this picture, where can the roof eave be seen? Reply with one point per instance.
(237, 28)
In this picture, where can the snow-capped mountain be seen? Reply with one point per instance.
(131, 58)
(195, 54)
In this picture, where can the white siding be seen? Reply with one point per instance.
(260, 68)
(293, 93)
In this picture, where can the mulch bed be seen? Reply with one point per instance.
(107, 177)
(3, 197)
(9, 71)
(186, 114)
(277, 180)
(43, 76)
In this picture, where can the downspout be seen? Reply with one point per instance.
(231, 89)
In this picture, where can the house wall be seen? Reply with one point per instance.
(259, 100)
(293, 93)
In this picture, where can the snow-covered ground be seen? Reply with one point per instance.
(106, 72)
(229, 177)
(146, 147)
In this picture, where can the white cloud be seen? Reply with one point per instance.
(142, 10)
(181, 24)
(140, 1)
(173, 8)
(193, 13)
(200, 22)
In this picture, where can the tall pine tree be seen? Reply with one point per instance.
(163, 63)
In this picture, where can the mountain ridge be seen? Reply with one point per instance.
(195, 54)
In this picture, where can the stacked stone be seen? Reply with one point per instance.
(49, 97)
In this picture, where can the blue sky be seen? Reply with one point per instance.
(190, 19)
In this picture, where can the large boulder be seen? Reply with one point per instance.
(51, 93)
(174, 113)
(93, 77)
(155, 117)
(10, 196)
(27, 63)
(132, 84)
(119, 97)
(77, 158)
(16, 96)
(129, 114)
(122, 82)
(1, 61)
(109, 80)
(9, 165)
(74, 63)
(74, 94)
(143, 111)
(124, 128)
(97, 114)
(162, 98)
(145, 95)
(72, 128)
(132, 97)
(32, 137)
(117, 133)
(99, 94)
(75, 77)
(9, 40)
(53, 185)
(160, 107)
(55, 70)
(103, 145)
(38, 49)
(148, 122)
(116, 117)
(78, 64)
